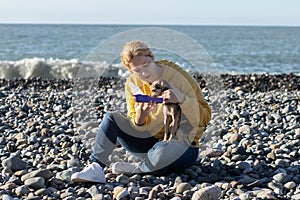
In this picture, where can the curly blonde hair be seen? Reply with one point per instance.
(134, 48)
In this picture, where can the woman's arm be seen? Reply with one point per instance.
(137, 112)
(188, 93)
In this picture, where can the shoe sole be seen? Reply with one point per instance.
(80, 180)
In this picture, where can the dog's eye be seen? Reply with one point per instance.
(157, 86)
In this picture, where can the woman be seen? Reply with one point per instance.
(142, 130)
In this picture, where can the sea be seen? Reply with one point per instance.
(63, 50)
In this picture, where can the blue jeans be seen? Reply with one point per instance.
(156, 156)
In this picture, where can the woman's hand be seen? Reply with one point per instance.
(173, 95)
(142, 110)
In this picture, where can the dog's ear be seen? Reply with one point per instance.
(165, 85)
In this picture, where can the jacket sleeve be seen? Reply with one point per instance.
(195, 108)
(131, 103)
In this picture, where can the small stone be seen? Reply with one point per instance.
(183, 187)
(286, 109)
(282, 178)
(245, 196)
(74, 162)
(123, 179)
(3, 140)
(44, 173)
(276, 187)
(65, 175)
(176, 198)
(13, 163)
(154, 192)
(123, 194)
(276, 117)
(117, 191)
(6, 197)
(245, 129)
(290, 185)
(243, 165)
(67, 195)
(143, 191)
(42, 192)
(296, 196)
(98, 196)
(266, 194)
(8, 186)
(45, 131)
(271, 155)
(93, 191)
(21, 136)
(208, 193)
(35, 183)
(177, 181)
(139, 198)
(210, 152)
(235, 137)
(240, 93)
(22, 190)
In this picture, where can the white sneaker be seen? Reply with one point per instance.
(125, 168)
(91, 173)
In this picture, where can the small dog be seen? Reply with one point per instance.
(171, 111)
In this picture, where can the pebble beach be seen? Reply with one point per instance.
(250, 149)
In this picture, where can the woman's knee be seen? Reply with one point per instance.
(108, 124)
(164, 154)
(115, 117)
(108, 116)
(109, 119)
(171, 155)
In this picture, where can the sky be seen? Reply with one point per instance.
(178, 12)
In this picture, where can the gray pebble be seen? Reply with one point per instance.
(35, 183)
(254, 137)
(14, 163)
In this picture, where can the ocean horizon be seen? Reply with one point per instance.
(62, 48)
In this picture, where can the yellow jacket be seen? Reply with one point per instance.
(196, 112)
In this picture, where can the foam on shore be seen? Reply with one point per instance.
(70, 69)
(51, 68)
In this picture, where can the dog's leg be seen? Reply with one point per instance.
(172, 129)
(166, 122)
(176, 118)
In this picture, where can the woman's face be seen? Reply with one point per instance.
(145, 68)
